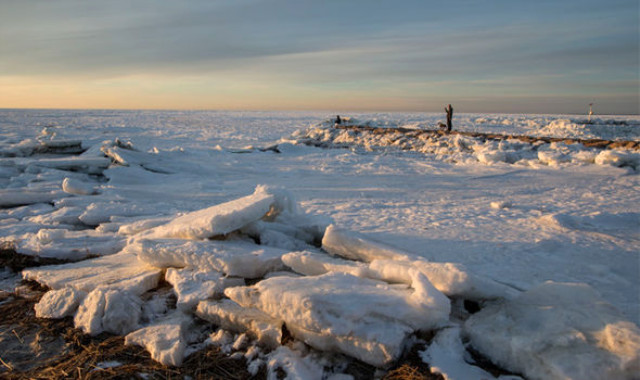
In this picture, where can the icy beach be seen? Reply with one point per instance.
(303, 248)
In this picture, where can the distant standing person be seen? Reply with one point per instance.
(449, 111)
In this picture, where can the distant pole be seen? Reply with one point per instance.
(590, 113)
(449, 111)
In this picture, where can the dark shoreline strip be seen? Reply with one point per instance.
(589, 143)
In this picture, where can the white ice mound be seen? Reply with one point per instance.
(59, 303)
(75, 186)
(233, 317)
(110, 310)
(192, 286)
(233, 258)
(363, 318)
(391, 264)
(558, 331)
(164, 339)
(120, 271)
(353, 246)
(219, 219)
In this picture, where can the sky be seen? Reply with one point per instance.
(500, 56)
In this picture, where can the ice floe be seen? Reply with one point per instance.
(558, 331)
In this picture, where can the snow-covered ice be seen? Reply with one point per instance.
(363, 318)
(558, 331)
(417, 223)
(233, 258)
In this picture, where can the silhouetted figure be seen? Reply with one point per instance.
(338, 120)
(449, 111)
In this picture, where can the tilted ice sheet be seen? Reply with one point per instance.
(233, 258)
(121, 271)
(233, 317)
(216, 220)
(394, 265)
(363, 318)
(195, 285)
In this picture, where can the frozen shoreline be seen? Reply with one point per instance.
(518, 224)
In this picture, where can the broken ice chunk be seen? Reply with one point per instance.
(363, 318)
(231, 316)
(313, 264)
(558, 331)
(234, 258)
(353, 246)
(100, 212)
(446, 355)
(391, 264)
(110, 310)
(164, 339)
(74, 186)
(89, 165)
(217, 220)
(193, 286)
(22, 197)
(120, 271)
(68, 245)
(59, 303)
(449, 278)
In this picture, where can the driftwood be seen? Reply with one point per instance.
(590, 143)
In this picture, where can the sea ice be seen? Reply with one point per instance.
(233, 258)
(121, 271)
(394, 265)
(164, 339)
(73, 186)
(192, 286)
(68, 245)
(363, 318)
(217, 220)
(112, 310)
(558, 331)
(59, 303)
(231, 316)
(446, 356)
(353, 246)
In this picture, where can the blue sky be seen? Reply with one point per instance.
(482, 56)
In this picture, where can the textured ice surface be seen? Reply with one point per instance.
(111, 310)
(231, 316)
(431, 198)
(164, 339)
(59, 303)
(192, 286)
(217, 220)
(353, 246)
(121, 271)
(394, 265)
(233, 258)
(446, 356)
(558, 331)
(363, 318)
